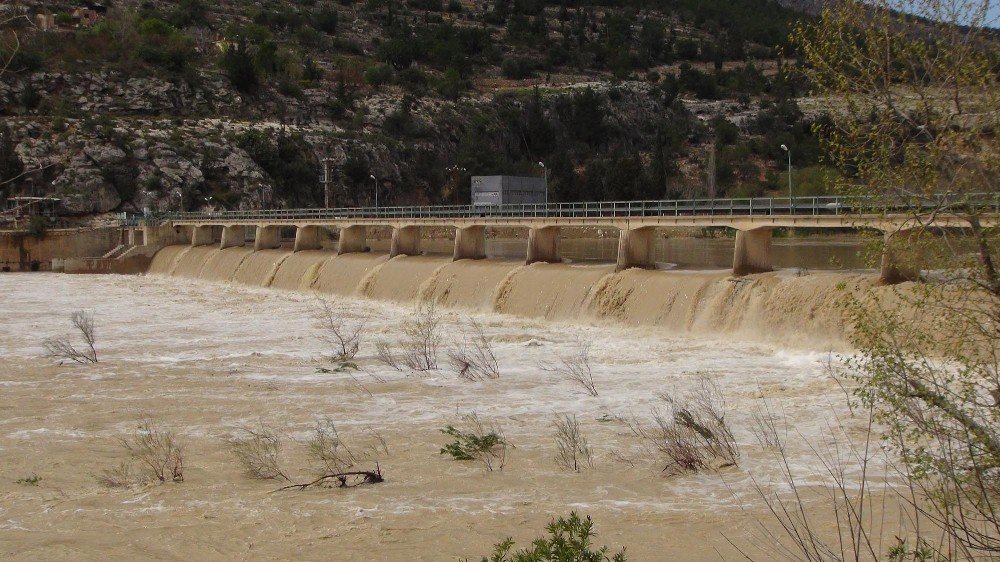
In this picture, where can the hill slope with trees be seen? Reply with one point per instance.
(170, 105)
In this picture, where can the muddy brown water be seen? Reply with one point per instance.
(218, 339)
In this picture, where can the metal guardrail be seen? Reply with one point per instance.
(758, 206)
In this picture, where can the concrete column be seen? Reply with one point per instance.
(130, 240)
(267, 238)
(307, 238)
(543, 245)
(154, 234)
(405, 241)
(202, 235)
(470, 243)
(353, 239)
(233, 236)
(896, 269)
(165, 235)
(636, 248)
(753, 251)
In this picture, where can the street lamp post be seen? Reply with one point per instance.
(375, 181)
(545, 171)
(791, 204)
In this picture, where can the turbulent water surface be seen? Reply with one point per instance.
(205, 357)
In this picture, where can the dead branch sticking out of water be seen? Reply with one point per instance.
(573, 451)
(328, 449)
(421, 341)
(345, 336)
(851, 491)
(385, 354)
(155, 450)
(693, 435)
(258, 451)
(575, 367)
(120, 476)
(61, 348)
(343, 479)
(472, 357)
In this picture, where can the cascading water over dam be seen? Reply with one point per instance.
(802, 309)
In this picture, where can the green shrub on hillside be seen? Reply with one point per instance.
(237, 65)
(379, 74)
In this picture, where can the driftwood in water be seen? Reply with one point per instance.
(344, 479)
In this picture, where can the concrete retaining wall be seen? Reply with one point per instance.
(20, 251)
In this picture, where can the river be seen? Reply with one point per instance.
(205, 358)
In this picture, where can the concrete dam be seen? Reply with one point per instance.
(330, 255)
(769, 306)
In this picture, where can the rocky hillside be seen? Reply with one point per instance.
(184, 105)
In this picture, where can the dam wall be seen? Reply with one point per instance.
(20, 251)
(805, 310)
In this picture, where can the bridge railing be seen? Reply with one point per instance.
(757, 206)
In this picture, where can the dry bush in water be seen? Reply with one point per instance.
(421, 341)
(692, 434)
(154, 456)
(61, 348)
(384, 353)
(473, 355)
(479, 441)
(344, 335)
(328, 450)
(121, 476)
(258, 451)
(573, 451)
(335, 459)
(575, 367)
(764, 426)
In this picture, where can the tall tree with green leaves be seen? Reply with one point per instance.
(914, 85)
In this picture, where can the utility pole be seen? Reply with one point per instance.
(711, 172)
(325, 180)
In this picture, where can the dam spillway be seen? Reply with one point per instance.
(786, 306)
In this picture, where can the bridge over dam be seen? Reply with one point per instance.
(637, 221)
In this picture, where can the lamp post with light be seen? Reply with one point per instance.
(545, 172)
(375, 181)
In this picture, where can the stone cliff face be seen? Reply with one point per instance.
(135, 164)
(110, 92)
(147, 143)
(184, 105)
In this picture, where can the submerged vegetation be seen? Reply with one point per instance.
(480, 441)
(569, 539)
(62, 348)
